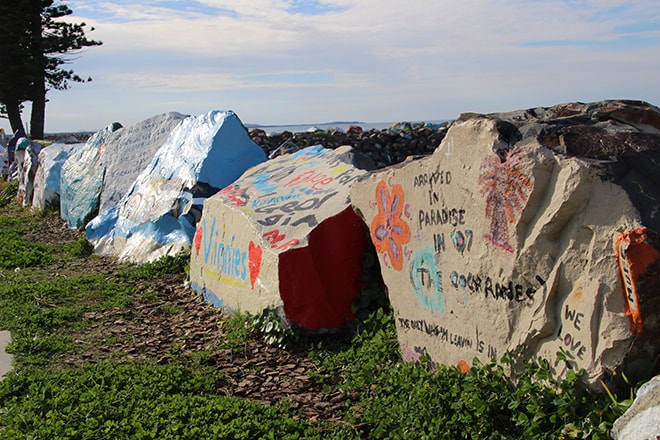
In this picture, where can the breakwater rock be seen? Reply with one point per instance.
(385, 147)
(533, 229)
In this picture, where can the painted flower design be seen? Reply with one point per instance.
(389, 232)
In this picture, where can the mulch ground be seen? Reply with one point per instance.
(179, 322)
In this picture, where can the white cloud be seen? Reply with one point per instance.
(370, 58)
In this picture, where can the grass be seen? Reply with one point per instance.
(43, 299)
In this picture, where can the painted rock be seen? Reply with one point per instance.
(157, 216)
(81, 179)
(499, 241)
(642, 420)
(284, 237)
(129, 150)
(48, 175)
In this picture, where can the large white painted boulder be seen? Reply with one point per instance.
(47, 178)
(500, 239)
(129, 150)
(157, 216)
(81, 179)
(284, 237)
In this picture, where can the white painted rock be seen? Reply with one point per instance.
(81, 179)
(486, 246)
(284, 236)
(642, 420)
(129, 150)
(26, 164)
(47, 177)
(157, 216)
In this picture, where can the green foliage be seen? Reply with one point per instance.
(142, 401)
(408, 401)
(8, 194)
(274, 329)
(238, 328)
(41, 314)
(79, 248)
(164, 265)
(17, 251)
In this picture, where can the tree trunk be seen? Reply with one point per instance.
(38, 115)
(14, 114)
(38, 90)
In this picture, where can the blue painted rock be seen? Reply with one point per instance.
(81, 179)
(129, 151)
(48, 176)
(157, 216)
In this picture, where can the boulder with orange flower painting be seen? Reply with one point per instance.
(533, 229)
(284, 237)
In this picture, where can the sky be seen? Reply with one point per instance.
(279, 62)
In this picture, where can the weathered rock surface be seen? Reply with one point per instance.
(284, 236)
(501, 239)
(81, 179)
(642, 420)
(129, 150)
(48, 175)
(157, 216)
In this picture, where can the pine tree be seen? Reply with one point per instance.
(39, 44)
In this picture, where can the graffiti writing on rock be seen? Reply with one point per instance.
(505, 290)
(237, 196)
(462, 241)
(506, 190)
(567, 336)
(427, 280)
(275, 199)
(439, 177)
(635, 255)
(316, 180)
(143, 206)
(457, 339)
(277, 240)
(225, 259)
(294, 212)
(442, 216)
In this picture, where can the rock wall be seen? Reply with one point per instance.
(500, 240)
(284, 236)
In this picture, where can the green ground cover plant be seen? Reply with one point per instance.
(57, 297)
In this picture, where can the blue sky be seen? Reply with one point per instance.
(292, 61)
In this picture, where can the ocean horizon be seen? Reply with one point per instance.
(274, 129)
